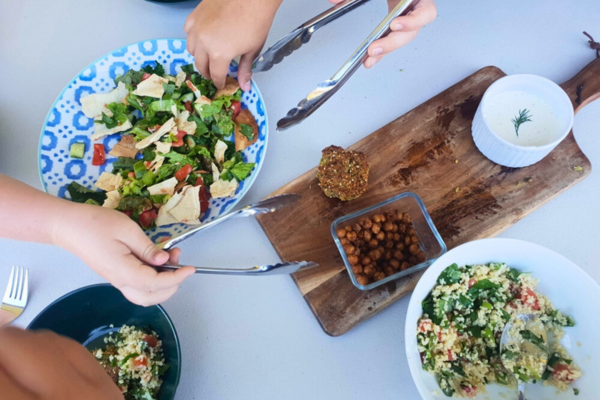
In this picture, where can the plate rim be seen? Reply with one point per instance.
(409, 331)
(252, 178)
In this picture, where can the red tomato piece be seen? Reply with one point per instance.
(151, 340)
(183, 172)
(99, 155)
(179, 136)
(559, 373)
(146, 76)
(203, 194)
(139, 361)
(472, 283)
(422, 354)
(425, 326)
(526, 295)
(450, 355)
(129, 213)
(131, 174)
(236, 107)
(188, 106)
(147, 218)
(470, 391)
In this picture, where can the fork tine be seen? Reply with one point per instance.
(10, 284)
(25, 287)
(19, 288)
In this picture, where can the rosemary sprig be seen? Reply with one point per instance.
(524, 116)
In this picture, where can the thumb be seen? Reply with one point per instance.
(335, 1)
(143, 248)
(245, 71)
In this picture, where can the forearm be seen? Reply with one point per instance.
(27, 213)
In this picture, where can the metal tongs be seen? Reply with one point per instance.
(295, 39)
(262, 207)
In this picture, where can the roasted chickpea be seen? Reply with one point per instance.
(357, 269)
(375, 255)
(349, 249)
(365, 260)
(367, 235)
(369, 270)
(402, 228)
(348, 228)
(373, 244)
(379, 276)
(394, 228)
(375, 228)
(389, 271)
(360, 242)
(396, 237)
(406, 218)
(380, 236)
(378, 218)
(414, 239)
(414, 249)
(421, 257)
(360, 234)
(387, 255)
(407, 241)
(388, 226)
(341, 233)
(366, 223)
(362, 279)
(351, 236)
(404, 266)
(395, 264)
(390, 216)
(398, 255)
(389, 245)
(352, 259)
(357, 251)
(389, 236)
(410, 232)
(344, 241)
(400, 246)
(412, 260)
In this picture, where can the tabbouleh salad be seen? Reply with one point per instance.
(134, 360)
(181, 144)
(463, 318)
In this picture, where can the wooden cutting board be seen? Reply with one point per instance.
(430, 152)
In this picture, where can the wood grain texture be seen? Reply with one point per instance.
(430, 152)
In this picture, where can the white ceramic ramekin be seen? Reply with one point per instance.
(509, 154)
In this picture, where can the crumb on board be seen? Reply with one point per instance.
(528, 179)
(578, 169)
(457, 189)
(456, 161)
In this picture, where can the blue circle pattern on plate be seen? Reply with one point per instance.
(66, 124)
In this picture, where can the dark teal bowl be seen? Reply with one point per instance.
(86, 315)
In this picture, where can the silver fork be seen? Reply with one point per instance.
(17, 291)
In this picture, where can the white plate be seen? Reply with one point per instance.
(567, 286)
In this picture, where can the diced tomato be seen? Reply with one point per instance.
(472, 283)
(179, 136)
(470, 391)
(236, 107)
(139, 361)
(131, 174)
(440, 336)
(99, 155)
(203, 194)
(422, 355)
(129, 213)
(450, 355)
(146, 76)
(559, 373)
(183, 172)
(191, 86)
(188, 106)
(526, 295)
(151, 340)
(147, 218)
(425, 326)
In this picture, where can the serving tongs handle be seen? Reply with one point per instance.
(302, 34)
(284, 268)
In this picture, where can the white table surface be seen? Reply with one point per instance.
(256, 338)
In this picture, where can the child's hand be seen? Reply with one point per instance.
(42, 365)
(118, 250)
(220, 30)
(404, 29)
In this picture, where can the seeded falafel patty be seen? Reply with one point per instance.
(343, 174)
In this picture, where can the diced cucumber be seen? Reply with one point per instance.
(77, 150)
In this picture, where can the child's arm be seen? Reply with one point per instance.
(106, 240)
(220, 30)
(404, 29)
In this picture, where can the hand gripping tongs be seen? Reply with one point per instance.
(295, 39)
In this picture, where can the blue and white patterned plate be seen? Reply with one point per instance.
(66, 124)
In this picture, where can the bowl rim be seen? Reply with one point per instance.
(419, 267)
(409, 331)
(160, 308)
(534, 78)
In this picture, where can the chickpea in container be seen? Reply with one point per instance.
(382, 241)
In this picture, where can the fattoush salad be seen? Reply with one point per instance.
(175, 151)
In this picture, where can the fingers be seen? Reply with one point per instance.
(146, 299)
(174, 255)
(143, 277)
(189, 23)
(390, 43)
(201, 63)
(219, 67)
(12, 390)
(370, 61)
(245, 71)
(421, 16)
(335, 1)
(141, 246)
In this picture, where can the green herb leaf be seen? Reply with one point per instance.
(182, 159)
(520, 119)
(242, 170)
(247, 131)
(127, 357)
(513, 275)
(450, 275)
(169, 88)
(124, 163)
(533, 338)
(81, 194)
(158, 69)
(130, 78)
